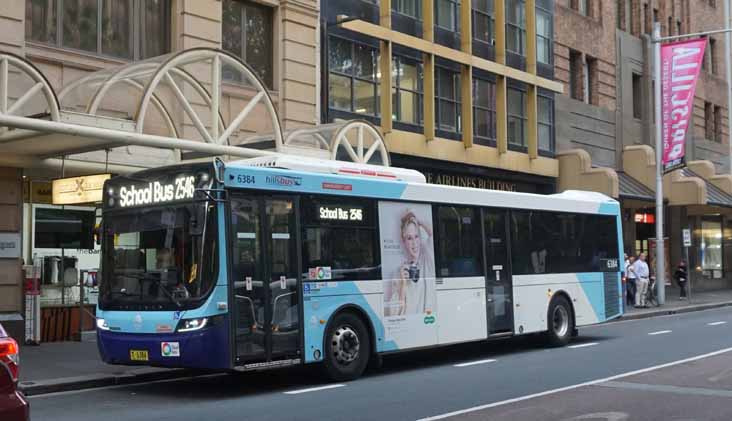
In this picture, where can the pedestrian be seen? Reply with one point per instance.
(682, 277)
(630, 280)
(641, 272)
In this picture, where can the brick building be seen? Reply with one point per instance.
(605, 130)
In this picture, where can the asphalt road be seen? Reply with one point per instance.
(465, 382)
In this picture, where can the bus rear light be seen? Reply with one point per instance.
(10, 355)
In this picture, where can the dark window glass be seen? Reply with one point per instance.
(447, 100)
(637, 97)
(247, 32)
(545, 107)
(447, 14)
(411, 8)
(40, 20)
(407, 81)
(340, 234)
(551, 242)
(517, 119)
(483, 21)
(353, 79)
(128, 29)
(64, 228)
(516, 26)
(459, 244)
(484, 109)
(544, 42)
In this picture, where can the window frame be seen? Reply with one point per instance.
(549, 40)
(455, 6)
(244, 4)
(397, 89)
(491, 110)
(440, 71)
(417, 6)
(137, 36)
(353, 78)
(491, 23)
(550, 124)
(520, 28)
(523, 118)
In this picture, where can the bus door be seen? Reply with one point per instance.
(266, 307)
(498, 271)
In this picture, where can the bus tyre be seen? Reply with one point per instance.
(347, 347)
(560, 322)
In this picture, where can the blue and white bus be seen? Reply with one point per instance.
(277, 261)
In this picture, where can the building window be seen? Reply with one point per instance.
(678, 27)
(447, 14)
(709, 123)
(591, 81)
(713, 3)
(407, 81)
(352, 79)
(412, 8)
(575, 75)
(583, 7)
(247, 32)
(713, 56)
(483, 21)
(131, 30)
(517, 119)
(447, 101)
(543, 36)
(516, 26)
(647, 19)
(717, 124)
(637, 97)
(623, 15)
(484, 109)
(545, 129)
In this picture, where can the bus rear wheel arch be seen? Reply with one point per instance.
(347, 346)
(561, 326)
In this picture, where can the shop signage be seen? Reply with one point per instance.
(182, 188)
(680, 63)
(9, 245)
(39, 192)
(469, 181)
(645, 218)
(87, 189)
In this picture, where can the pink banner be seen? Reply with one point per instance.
(680, 64)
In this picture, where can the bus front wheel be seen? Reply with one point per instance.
(560, 322)
(347, 347)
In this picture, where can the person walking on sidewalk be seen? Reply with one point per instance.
(682, 278)
(641, 272)
(630, 280)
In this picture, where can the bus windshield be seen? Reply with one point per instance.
(158, 258)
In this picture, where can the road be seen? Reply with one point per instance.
(612, 370)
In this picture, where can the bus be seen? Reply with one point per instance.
(279, 261)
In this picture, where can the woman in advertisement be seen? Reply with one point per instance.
(410, 290)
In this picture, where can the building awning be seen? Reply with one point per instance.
(630, 188)
(715, 195)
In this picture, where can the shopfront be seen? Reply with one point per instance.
(464, 175)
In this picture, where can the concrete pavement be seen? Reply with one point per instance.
(427, 383)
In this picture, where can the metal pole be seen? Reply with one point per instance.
(660, 263)
(688, 275)
(728, 70)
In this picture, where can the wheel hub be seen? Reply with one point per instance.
(345, 345)
(560, 321)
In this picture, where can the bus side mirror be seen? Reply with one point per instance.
(98, 235)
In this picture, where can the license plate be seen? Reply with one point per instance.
(138, 355)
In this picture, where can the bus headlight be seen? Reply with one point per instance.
(191, 325)
(102, 324)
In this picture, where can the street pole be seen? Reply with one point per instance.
(728, 70)
(660, 262)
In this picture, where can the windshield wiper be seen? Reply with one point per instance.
(145, 276)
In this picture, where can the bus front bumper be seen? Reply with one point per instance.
(205, 349)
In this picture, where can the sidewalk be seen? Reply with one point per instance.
(63, 366)
(699, 301)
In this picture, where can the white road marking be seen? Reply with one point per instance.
(716, 323)
(474, 363)
(660, 332)
(313, 389)
(583, 345)
(575, 386)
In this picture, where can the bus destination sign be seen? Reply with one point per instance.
(182, 188)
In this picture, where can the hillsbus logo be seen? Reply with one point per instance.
(283, 180)
(429, 320)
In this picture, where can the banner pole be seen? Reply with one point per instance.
(660, 261)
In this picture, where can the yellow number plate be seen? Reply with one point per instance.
(137, 355)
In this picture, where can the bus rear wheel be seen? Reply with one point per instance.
(560, 322)
(347, 347)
